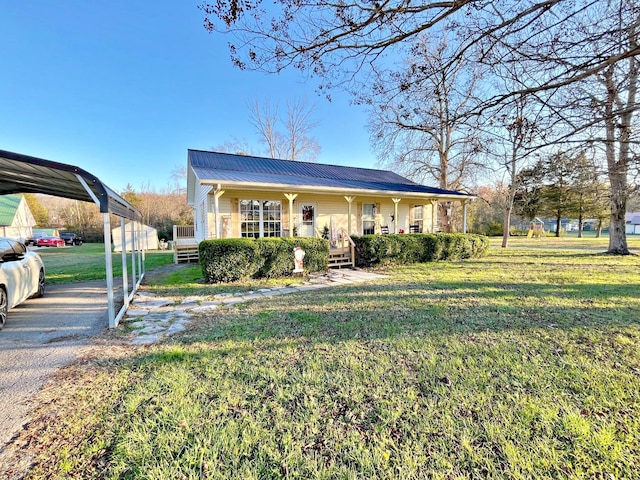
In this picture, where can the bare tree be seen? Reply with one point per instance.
(420, 123)
(512, 150)
(564, 43)
(289, 138)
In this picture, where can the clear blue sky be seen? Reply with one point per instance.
(123, 88)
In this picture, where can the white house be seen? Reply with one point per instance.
(238, 196)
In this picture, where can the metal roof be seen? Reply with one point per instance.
(216, 167)
(24, 174)
(8, 208)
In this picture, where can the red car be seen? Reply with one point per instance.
(50, 242)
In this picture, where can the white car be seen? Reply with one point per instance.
(21, 275)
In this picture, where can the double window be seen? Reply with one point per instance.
(260, 218)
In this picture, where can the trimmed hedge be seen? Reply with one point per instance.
(229, 260)
(373, 250)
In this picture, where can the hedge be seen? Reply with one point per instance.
(373, 250)
(229, 260)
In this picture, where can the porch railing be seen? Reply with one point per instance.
(185, 246)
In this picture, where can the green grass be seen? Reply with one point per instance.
(87, 262)
(524, 364)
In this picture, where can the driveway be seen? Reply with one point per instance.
(40, 336)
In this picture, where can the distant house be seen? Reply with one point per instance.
(16, 219)
(238, 196)
(632, 223)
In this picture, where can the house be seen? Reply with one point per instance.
(238, 196)
(632, 226)
(16, 219)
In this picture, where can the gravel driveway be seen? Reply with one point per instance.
(40, 336)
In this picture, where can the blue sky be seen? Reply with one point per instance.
(123, 88)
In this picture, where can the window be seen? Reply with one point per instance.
(271, 219)
(368, 218)
(260, 218)
(418, 217)
(249, 218)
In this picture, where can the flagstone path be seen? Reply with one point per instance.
(152, 318)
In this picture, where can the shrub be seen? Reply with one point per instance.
(228, 260)
(372, 250)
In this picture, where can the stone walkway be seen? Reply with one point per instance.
(151, 317)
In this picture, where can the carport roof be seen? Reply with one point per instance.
(24, 174)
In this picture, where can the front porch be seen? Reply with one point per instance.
(185, 247)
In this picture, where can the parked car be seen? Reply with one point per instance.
(33, 240)
(71, 238)
(21, 275)
(50, 242)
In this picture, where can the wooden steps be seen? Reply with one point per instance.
(185, 254)
(340, 258)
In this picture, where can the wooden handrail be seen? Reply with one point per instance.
(344, 234)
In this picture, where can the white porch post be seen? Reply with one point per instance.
(349, 199)
(433, 215)
(396, 201)
(464, 216)
(291, 197)
(217, 193)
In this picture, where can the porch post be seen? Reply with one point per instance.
(433, 215)
(464, 216)
(396, 201)
(349, 199)
(217, 193)
(291, 197)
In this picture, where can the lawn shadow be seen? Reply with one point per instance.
(413, 309)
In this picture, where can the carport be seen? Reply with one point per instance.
(24, 174)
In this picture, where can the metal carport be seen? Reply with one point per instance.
(24, 174)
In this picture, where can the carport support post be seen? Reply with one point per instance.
(125, 286)
(140, 253)
(133, 254)
(109, 266)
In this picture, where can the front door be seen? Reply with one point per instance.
(307, 220)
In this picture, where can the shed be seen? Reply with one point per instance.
(632, 226)
(146, 236)
(16, 219)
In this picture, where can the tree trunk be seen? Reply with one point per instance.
(599, 232)
(558, 224)
(617, 232)
(580, 225)
(505, 226)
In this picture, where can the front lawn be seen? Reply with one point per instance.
(524, 364)
(87, 262)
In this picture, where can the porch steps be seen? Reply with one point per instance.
(340, 259)
(186, 255)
